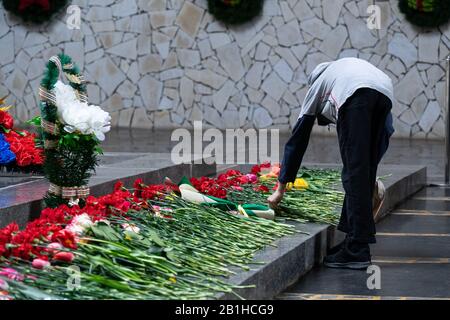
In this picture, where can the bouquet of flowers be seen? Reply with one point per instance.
(72, 131)
(19, 149)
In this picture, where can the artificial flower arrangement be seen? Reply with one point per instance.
(151, 241)
(235, 12)
(20, 150)
(72, 131)
(36, 11)
(426, 13)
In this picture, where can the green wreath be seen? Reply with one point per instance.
(426, 13)
(70, 158)
(37, 11)
(235, 11)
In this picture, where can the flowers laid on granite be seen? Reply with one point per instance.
(189, 193)
(144, 243)
(312, 197)
(235, 11)
(157, 241)
(37, 11)
(72, 131)
(19, 149)
(426, 13)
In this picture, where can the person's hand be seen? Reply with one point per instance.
(275, 198)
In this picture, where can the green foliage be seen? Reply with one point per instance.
(439, 14)
(71, 163)
(239, 13)
(34, 13)
(36, 121)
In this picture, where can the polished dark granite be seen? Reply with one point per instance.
(397, 280)
(430, 205)
(412, 250)
(433, 192)
(412, 246)
(415, 224)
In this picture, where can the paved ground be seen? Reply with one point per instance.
(413, 253)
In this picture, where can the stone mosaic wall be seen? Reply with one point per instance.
(167, 63)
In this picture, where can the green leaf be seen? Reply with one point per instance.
(132, 235)
(155, 238)
(4, 129)
(98, 150)
(104, 231)
(36, 121)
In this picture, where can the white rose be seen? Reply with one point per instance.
(79, 116)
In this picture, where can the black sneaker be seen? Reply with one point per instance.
(337, 247)
(350, 256)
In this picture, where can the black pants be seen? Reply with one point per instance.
(360, 127)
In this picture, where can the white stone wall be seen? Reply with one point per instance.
(167, 63)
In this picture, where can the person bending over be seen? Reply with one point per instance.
(357, 97)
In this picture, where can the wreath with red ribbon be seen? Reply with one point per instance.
(426, 13)
(235, 11)
(37, 11)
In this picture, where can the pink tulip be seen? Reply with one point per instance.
(40, 264)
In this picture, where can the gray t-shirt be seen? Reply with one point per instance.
(332, 83)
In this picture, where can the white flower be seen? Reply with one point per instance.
(131, 228)
(79, 116)
(79, 224)
(83, 220)
(75, 229)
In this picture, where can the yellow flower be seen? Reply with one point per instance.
(300, 184)
(173, 279)
(289, 186)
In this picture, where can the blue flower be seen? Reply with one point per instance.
(6, 155)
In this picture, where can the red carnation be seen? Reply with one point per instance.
(66, 238)
(261, 188)
(6, 120)
(64, 256)
(24, 147)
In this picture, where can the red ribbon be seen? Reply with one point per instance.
(25, 4)
(419, 4)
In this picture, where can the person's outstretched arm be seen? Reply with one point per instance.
(294, 151)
